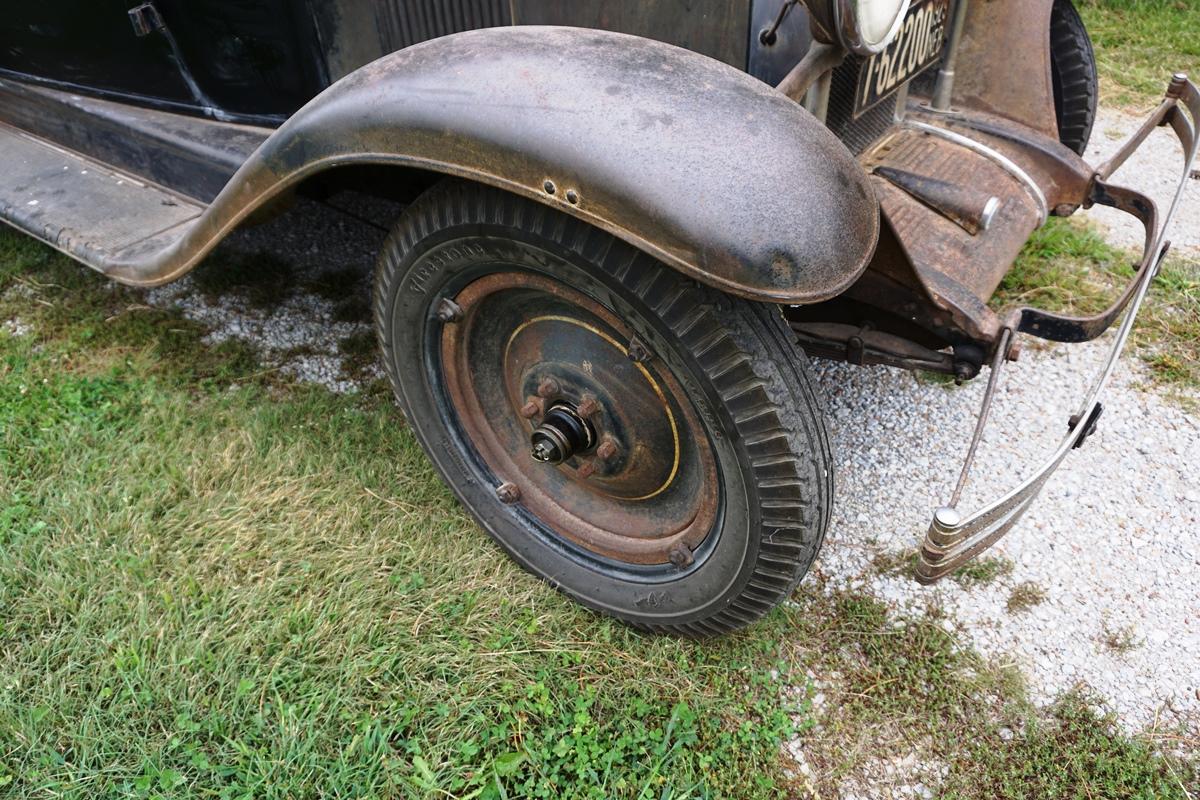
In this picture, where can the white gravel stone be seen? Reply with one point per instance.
(14, 327)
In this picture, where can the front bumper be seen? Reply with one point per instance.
(953, 537)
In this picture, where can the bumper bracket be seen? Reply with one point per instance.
(954, 538)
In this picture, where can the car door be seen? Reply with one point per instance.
(244, 60)
(91, 46)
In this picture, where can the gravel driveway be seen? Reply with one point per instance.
(1112, 546)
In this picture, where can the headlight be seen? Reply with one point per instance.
(863, 27)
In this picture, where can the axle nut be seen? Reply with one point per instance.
(562, 434)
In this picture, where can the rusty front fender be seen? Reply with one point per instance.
(686, 158)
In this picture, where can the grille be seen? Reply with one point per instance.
(856, 134)
(403, 23)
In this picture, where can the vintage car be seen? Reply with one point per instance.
(627, 223)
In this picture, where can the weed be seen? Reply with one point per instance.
(978, 572)
(1119, 640)
(896, 562)
(1074, 751)
(1025, 596)
(936, 379)
(982, 571)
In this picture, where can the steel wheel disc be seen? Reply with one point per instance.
(527, 354)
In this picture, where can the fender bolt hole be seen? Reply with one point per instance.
(549, 187)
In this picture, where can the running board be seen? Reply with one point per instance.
(85, 208)
(952, 538)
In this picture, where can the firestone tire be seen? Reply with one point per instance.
(471, 275)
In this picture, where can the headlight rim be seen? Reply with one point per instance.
(850, 36)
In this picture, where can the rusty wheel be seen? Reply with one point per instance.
(650, 446)
(602, 447)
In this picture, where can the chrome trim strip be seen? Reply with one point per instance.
(1001, 160)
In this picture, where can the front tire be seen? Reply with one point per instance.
(1074, 76)
(682, 481)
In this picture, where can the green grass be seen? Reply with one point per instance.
(215, 583)
(1139, 44)
(1066, 266)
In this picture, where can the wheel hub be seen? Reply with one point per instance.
(562, 434)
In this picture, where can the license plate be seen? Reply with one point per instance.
(916, 46)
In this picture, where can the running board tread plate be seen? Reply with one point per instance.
(82, 207)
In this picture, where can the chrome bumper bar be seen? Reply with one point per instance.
(954, 538)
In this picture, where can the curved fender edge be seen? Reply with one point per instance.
(698, 164)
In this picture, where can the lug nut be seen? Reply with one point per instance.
(548, 387)
(531, 409)
(587, 407)
(638, 351)
(508, 493)
(586, 469)
(607, 450)
(449, 311)
(681, 555)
